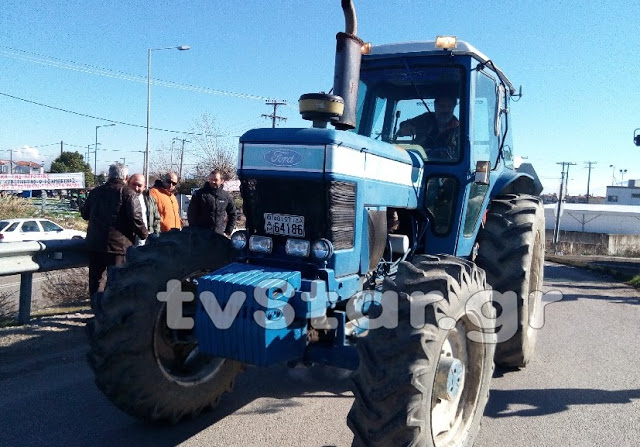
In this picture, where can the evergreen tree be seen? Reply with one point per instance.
(73, 162)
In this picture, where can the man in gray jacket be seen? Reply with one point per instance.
(150, 213)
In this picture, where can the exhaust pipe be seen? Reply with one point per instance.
(347, 67)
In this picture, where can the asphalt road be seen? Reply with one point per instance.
(581, 389)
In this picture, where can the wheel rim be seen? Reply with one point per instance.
(176, 351)
(534, 294)
(451, 417)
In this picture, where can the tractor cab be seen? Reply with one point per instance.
(446, 102)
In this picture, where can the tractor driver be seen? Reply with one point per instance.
(437, 132)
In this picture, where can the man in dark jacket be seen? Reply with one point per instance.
(437, 132)
(211, 204)
(115, 219)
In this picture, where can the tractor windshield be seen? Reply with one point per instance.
(414, 107)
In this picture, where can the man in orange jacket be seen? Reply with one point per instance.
(163, 193)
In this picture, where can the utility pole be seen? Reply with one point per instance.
(589, 163)
(181, 155)
(566, 181)
(61, 147)
(563, 186)
(274, 116)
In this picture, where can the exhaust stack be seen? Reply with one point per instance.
(347, 67)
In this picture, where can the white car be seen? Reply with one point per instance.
(31, 229)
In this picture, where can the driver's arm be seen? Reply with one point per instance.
(407, 128)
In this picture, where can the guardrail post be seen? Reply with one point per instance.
(26, 286)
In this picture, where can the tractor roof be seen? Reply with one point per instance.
(462, 48)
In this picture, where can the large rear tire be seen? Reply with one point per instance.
(426, 385)
(511, 251)
(146, 369)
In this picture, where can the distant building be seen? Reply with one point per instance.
(5, 167)
(624, 195)
(20, 167)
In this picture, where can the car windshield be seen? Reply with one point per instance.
(415, 108)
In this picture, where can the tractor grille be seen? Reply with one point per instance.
(329, 208)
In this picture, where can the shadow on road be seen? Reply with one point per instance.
(48, 359)
(561, 276)
(276, 385)
(510, 403)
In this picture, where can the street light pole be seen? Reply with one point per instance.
(622, 173)
(146, 152)
(95, 149)
(613, 175)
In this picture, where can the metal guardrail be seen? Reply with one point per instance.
(27, 258)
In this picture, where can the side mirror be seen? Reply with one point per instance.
(483, 169)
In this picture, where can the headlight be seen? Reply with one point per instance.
(260, 244)
(322, 249)
(239, 240)
(297, 247)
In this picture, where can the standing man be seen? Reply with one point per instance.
(150, 214)
(163, 192)
(115, 219)
(212, 207)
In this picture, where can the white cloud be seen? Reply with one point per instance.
(28, 153)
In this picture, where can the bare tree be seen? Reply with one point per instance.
(212, 149)
(165, 159)
(207, 149)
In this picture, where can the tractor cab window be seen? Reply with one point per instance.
(486, 128)
(417, 110)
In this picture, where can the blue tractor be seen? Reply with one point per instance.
(400, 243)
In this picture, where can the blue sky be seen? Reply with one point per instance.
(576, 61)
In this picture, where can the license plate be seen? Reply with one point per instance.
(284, 224)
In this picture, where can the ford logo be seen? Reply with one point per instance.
(283, 157)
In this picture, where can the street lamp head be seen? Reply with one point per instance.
(183, 47)
(106, 125)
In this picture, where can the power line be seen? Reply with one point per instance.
(86, 115)
(114, 74)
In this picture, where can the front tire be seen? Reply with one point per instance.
(426, 385)
(146, 369)
(511, 251)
